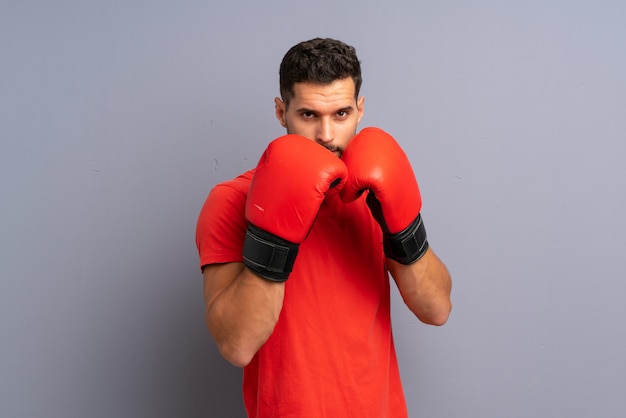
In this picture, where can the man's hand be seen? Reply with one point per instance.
(289, 185)
(376, 163)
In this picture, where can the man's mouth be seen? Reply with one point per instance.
(335, 150)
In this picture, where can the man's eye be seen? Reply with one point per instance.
(307, 115)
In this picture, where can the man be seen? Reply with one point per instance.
(296, 253)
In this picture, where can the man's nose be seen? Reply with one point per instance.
(325, 131)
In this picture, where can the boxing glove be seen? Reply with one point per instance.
(377, 163)
(290, 182)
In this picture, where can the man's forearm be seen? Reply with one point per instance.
(243, 315)
(425, 287)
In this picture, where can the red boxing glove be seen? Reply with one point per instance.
(289, 185)
(376, 163)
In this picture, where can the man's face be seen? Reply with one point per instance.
(327, 114)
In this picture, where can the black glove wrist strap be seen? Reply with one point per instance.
(267, 255)
(409, 245)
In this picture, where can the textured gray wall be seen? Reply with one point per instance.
(117, 117)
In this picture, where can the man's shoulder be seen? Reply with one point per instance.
(241, 183)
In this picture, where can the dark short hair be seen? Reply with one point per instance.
(320, 61)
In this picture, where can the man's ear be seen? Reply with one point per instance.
(281, 111)
(359, 106)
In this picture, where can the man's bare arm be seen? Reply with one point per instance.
(425, 287)
(241, 309)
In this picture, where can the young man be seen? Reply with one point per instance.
(296, 254)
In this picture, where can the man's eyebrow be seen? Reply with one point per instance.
(307, 110)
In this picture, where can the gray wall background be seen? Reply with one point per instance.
(117, 117)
